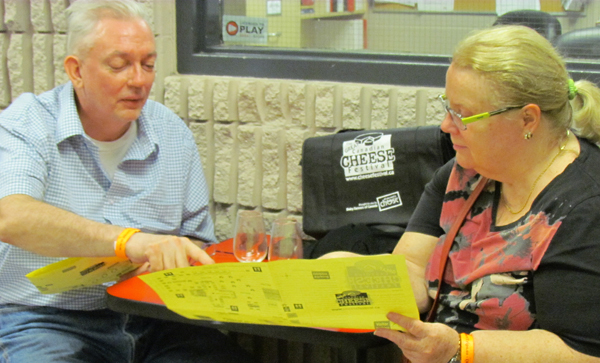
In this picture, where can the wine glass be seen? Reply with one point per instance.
(249, 240)
(207, 248)
(286, 240)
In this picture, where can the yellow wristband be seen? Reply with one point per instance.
(122, 240)
(467, 354)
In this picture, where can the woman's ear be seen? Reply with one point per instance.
(72, 66)
(531, 115)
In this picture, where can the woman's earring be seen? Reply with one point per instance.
(528, 136)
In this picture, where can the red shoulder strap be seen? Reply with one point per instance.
(449, 239)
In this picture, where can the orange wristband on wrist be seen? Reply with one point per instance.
(122, 240)
(467, 354)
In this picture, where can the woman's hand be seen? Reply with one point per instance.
(339, 254)
(422, 342)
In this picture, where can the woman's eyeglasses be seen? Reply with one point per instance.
(462, 122)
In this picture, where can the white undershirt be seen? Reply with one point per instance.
(113, 152)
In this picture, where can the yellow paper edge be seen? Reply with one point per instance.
(79, 272)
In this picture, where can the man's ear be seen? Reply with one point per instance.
(72, 66)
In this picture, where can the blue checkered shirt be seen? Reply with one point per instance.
(159, 186)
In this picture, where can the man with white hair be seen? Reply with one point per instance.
(93, 168)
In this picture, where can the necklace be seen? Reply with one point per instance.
(560, 151)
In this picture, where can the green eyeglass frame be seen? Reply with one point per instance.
(462, 122)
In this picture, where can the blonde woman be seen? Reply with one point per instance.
(522, 280)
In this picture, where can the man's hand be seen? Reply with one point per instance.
(145, 267)
(164, 252)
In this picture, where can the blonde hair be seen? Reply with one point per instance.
(523, 67)
(84, 15)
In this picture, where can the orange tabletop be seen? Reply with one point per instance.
(136, 290)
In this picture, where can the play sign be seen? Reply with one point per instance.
(242, 29)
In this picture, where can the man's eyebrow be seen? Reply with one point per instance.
(118, 53)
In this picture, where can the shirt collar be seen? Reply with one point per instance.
(68, 124)
(146, 142)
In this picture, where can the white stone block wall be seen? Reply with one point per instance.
(249, 131)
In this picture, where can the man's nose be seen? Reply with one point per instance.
(139, 77)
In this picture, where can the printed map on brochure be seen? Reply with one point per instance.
(353, 293)
(78, 272)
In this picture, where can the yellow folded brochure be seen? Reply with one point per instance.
(78, 272)
(353, 293)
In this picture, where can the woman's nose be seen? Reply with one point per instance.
(448, 125)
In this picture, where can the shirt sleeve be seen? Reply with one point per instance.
(426, 217)
(24, 169)
(566, 284)
(196, 219)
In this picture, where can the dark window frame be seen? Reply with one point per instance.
(199, 51)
